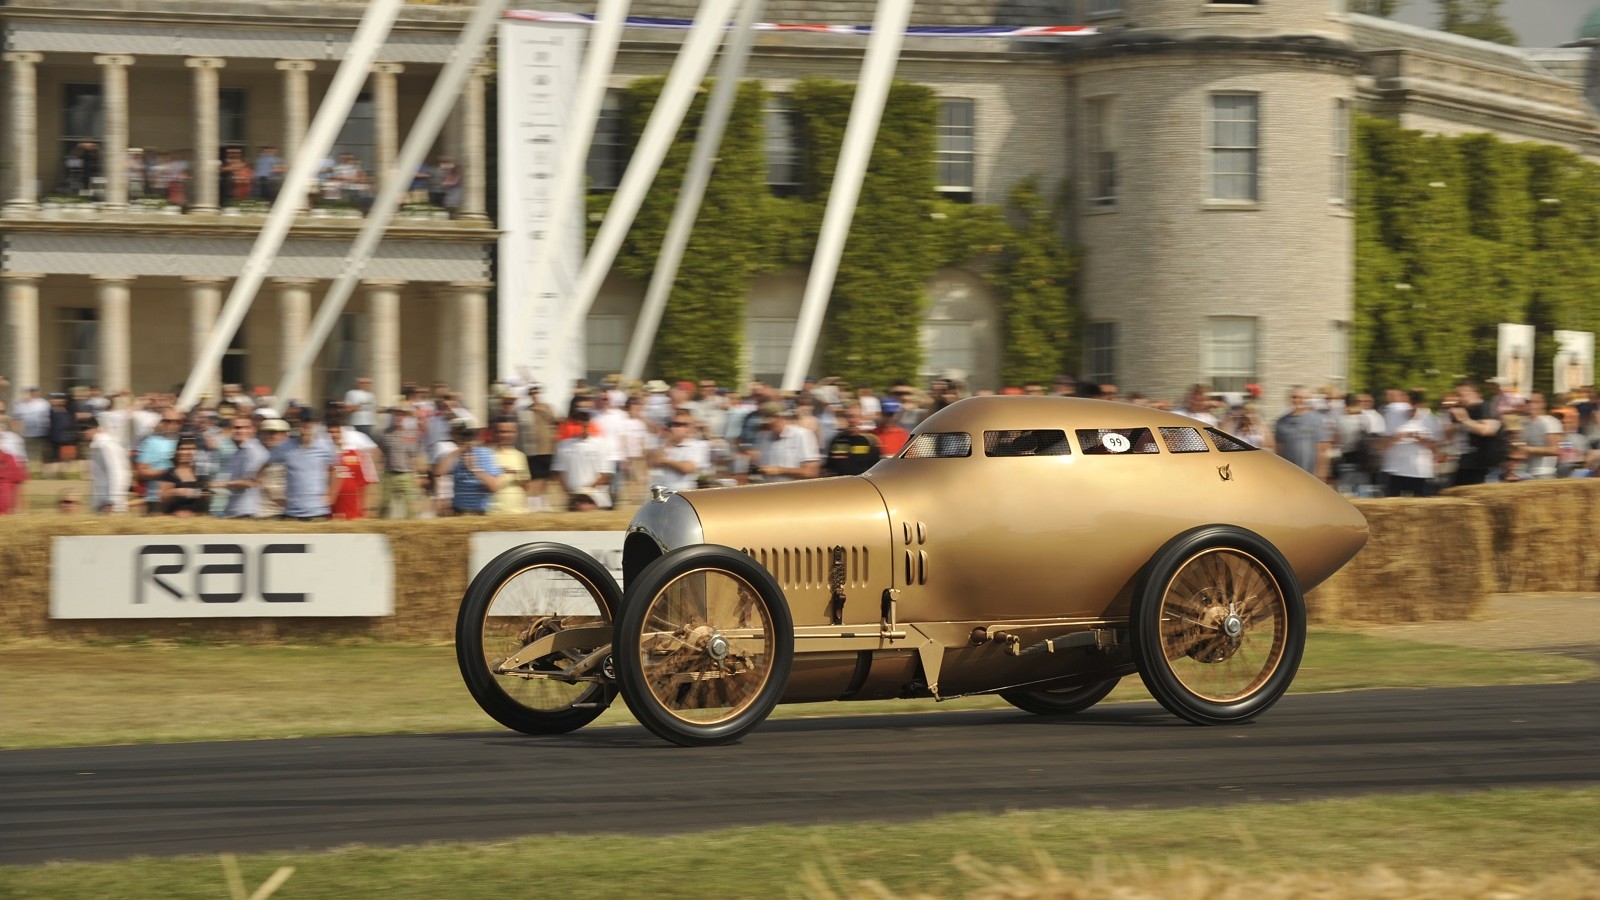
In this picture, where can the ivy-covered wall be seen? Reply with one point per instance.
(902, 233)
(1455, 235)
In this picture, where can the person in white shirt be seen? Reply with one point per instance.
(585, 467)
(109, 473)
(679, 459)
(361, 408)
(1541, 433)
(33, 411)
(1408, 454)
(787, 452)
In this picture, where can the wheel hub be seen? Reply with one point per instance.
(717, 647)
(1233, 626)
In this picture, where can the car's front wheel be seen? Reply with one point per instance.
(1219, 625)
(704, 645)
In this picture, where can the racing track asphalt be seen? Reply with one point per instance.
(116, 802)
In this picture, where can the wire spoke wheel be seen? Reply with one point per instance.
(524, 600)
(704, 646)
(1060, 701)
(1224, 624)
(1218, 625)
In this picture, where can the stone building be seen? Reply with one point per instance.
(1208, 144)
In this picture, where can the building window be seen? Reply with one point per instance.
(785, 153)
(80, 347)
(949, 346)
(607, 344)
(231, 131)
(1104, 7)
(82, 127)
(1101, 126)
(770, 339)
(1102, 361)
(233, 360)
(1341, 152)
(955, 152)
(357, 137)
(1235, 146)
(1230, 353)
(608, 151)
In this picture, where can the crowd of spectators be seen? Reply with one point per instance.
(424, 454)
(166, 177)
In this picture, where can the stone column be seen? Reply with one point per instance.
(471, 378)
(387, 113)
(474, 169)
(206, 166)
(383, 309)
(116, 341)
(205, 301)
(294, 319)
(22, 330)
(114, 158)
(296, 104)
(24, 144)
(447, 365)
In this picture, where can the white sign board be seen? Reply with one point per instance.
(195, 576)
(539, 67)
(1574, 360)
(605, 546)
(1516, 359)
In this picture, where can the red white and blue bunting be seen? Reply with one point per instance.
(961, 31)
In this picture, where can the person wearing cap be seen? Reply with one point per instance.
(109, 473)
(308, 461)
(242, 479)
(584, 464)
(270, 479)
(786, 452)
(401, 445)
(474, 474)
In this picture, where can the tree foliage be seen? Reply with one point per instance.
(1455, 235)
(901, 234)
(1479, 19)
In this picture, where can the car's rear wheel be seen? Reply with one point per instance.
(1219, 625)
(704, 645)
(1060, 701)
(526, 595)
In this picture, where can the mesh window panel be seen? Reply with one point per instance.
(1184, 440)
(949, 445)
(1227, 443)
(1035, 442)
(1116, 441)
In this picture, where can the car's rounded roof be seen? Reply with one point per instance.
(978, 414)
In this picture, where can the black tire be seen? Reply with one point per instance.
(684, 610)
(1218, 625)
(522, 594)
(1060, 701)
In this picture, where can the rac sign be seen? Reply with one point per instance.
(208, 576)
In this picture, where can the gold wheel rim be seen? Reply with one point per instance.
(1224, 624)
(707, 646)
(527, 605)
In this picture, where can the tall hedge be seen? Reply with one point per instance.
(1456, 234)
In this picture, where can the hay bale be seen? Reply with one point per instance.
(1545, 533)
(1424, 560)
(430, 559)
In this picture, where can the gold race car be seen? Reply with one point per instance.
(1036, 547)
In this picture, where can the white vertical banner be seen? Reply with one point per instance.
(1574, 360)
(539, 65)
(1515, 372)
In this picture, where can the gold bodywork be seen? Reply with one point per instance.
(978, 573)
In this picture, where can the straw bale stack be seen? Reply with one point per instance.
(1546, 534)
(430, 559)
(1424, 560)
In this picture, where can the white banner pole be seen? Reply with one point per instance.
(567, 193)
(693, 192)
(688, 70)
(872, 92)
(435, 110)
(347, 82)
